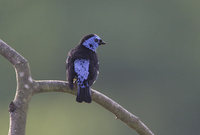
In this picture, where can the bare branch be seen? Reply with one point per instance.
(26, 88)
(120, 113)
(19, 106)
(10, 54)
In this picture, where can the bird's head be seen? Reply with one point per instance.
(92, 41)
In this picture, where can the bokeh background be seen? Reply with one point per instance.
(150, 64)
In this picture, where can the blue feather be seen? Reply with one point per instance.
(91, 44)
(81, 67)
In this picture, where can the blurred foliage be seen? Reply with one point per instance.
(150, 64)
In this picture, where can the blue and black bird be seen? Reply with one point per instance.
(83, 67)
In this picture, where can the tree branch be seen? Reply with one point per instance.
(26, 88)
(19, 106)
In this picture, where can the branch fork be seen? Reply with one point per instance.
(27, 87)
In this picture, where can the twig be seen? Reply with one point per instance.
(27, 87)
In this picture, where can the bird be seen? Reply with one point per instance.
(82, 66)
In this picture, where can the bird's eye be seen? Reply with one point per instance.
(100, 40)
(90, 45)
(95, 40)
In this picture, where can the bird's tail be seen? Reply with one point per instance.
(84, 94)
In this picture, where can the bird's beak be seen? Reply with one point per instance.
(102, 43)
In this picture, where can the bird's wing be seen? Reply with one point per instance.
(94, 70)
(81, 67)
(70, 70)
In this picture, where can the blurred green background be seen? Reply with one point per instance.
(150, 64)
